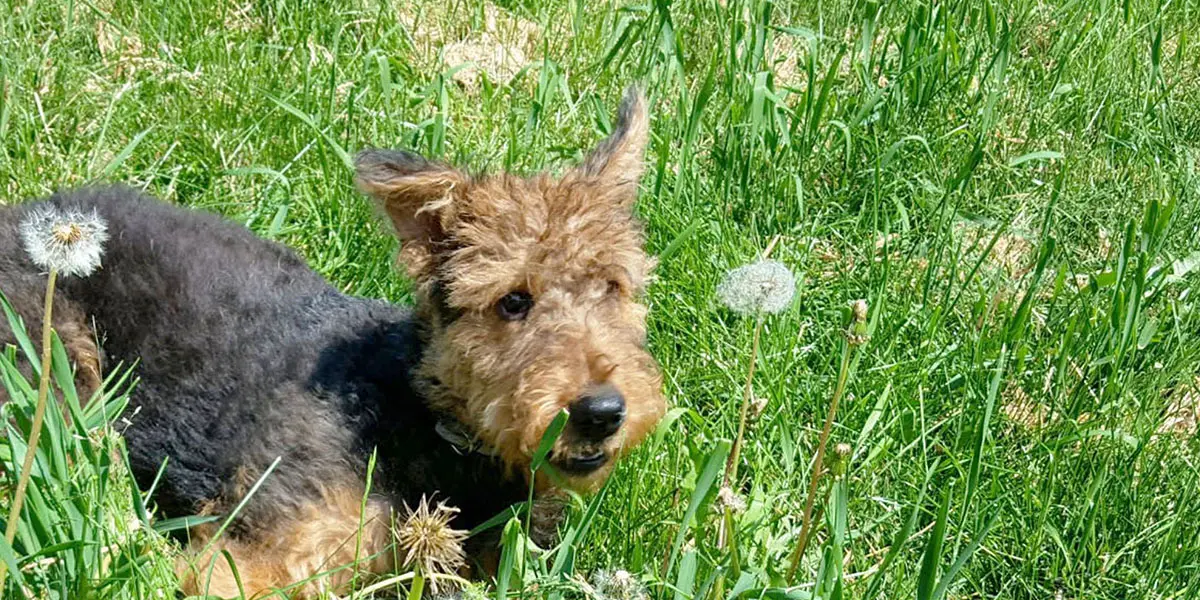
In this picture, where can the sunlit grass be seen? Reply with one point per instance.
(1010, 185)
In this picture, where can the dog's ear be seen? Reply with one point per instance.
(415, 193)
(619, 160)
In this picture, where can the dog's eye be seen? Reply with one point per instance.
(614, 287)
(514, 306)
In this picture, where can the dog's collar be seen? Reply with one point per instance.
(460, 438)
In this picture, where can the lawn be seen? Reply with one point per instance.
(1010, 185)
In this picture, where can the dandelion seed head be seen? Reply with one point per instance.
(758, 405)
(618, 584)
(428, 542)
(727, 498)
(70, 242)
(766, 286)
(838, 460)
(68, 233)
(856, 334)
(859, 309)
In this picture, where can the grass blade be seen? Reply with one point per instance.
(963, 557)
(708, 476)
(1047, 155)
(125, 153)
(553, 431)
(337, 148)
(927, 579)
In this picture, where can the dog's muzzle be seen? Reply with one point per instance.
(582, 463)
(596, 416)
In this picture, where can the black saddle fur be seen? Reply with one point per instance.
(245, 355)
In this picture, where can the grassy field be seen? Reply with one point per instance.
(1011, 185)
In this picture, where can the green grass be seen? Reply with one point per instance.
(1003, 415)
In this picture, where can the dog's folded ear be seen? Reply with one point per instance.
(619, 160)
(415, 193)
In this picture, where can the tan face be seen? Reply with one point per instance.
(530, 287)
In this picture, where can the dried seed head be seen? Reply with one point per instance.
(758, 405)
(727, 498)
(839, 459)
(859, 309)
(427, 541)
(618, 584)
(766, 286)
(70, 242)
(856, 333)
(68, 233)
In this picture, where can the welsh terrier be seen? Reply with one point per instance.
(527, 302)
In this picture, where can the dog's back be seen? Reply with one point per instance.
(227, 332)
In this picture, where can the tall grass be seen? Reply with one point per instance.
(84, 530)
(1011, 185)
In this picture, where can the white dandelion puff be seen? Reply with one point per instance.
(70, 242)
(729, 499)
(618, 585)
(766, 286)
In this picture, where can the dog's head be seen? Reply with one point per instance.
(530, 290)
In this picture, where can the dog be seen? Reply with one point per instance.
(527, 302)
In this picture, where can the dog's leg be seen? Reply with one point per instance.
(77, 337)
(80, 343)
(320, 548)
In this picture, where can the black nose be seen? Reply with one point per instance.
(598, 414)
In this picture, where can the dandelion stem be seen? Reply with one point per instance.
(731, 467)
(35, 431)
(819, 461)
(725, 528)
(418, 584)
(731, 470)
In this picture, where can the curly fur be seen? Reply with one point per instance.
(245, 355)
(573, 244)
